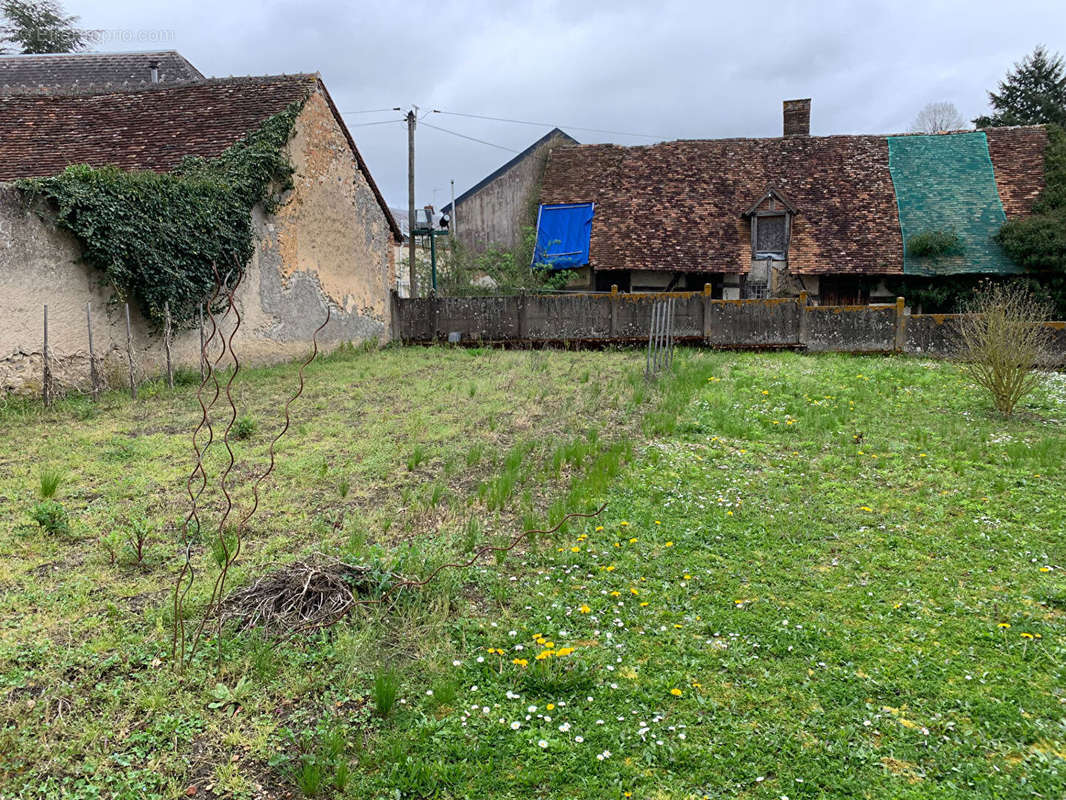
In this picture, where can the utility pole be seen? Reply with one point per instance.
(411, 120)
(451, 222)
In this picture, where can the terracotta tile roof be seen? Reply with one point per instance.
(677, 206)
(44, 73)
(151, 128)
(1018, 161)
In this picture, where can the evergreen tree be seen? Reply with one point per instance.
(38, 26)
(1034, 93)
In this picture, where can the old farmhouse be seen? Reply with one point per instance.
(329, 242)
(833, 216)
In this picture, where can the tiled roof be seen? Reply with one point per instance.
(151, 128)
(677, 206)
(44, 73)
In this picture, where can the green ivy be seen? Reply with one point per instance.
(159, 237)
(933, 244)
(1038, 242)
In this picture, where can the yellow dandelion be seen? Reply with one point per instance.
(575, 549)
(669, 544)
(675, 692)
(1027, 636)
(584, 609)
(1003, 625)
(520, 662)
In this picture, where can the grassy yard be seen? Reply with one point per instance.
(815, 577)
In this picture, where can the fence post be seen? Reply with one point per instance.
(129, 352)
(801, 304)
(523, 318)
(167, 333)
(901, 326)
(394, 316)
(614, 311)
(46, 382)
(706, 312)
(94, 378)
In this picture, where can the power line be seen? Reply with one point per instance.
(471, 138)
(382, 122)
(548, 124)
(369, 111)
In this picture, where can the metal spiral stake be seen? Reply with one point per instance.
(660, 354)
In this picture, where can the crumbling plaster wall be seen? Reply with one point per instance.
(328, 243)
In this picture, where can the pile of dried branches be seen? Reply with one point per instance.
(304, 595)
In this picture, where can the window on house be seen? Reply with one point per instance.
(770, 235)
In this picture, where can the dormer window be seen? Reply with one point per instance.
(769, 235)
(771, 226)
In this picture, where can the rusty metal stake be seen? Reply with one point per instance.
(46, 383)
(94, 378)
(129, 353)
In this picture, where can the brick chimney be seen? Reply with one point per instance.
(798, 117)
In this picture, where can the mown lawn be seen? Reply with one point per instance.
(815, 577)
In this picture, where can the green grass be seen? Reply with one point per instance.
(801, 586)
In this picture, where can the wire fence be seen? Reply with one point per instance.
(56, 372)
(660, 353)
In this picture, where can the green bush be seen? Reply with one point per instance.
(934, 244)
(1038, 242)
(52, 517)
(244, 427)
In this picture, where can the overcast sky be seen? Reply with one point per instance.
(670, 69)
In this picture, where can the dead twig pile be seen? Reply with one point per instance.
(304, 595)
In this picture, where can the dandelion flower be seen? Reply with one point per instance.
(675, 692)
(584, 609)
(669, 544)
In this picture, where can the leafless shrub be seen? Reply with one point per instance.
(1001, 340)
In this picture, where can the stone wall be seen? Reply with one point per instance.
(328, 244)
(625, 318)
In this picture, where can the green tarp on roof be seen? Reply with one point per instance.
(945, 182)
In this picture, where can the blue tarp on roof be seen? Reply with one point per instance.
(563, 233)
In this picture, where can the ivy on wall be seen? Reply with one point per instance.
(158, 237)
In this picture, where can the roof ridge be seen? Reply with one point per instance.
(804, 138)
(92, 53)
(9, 92)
